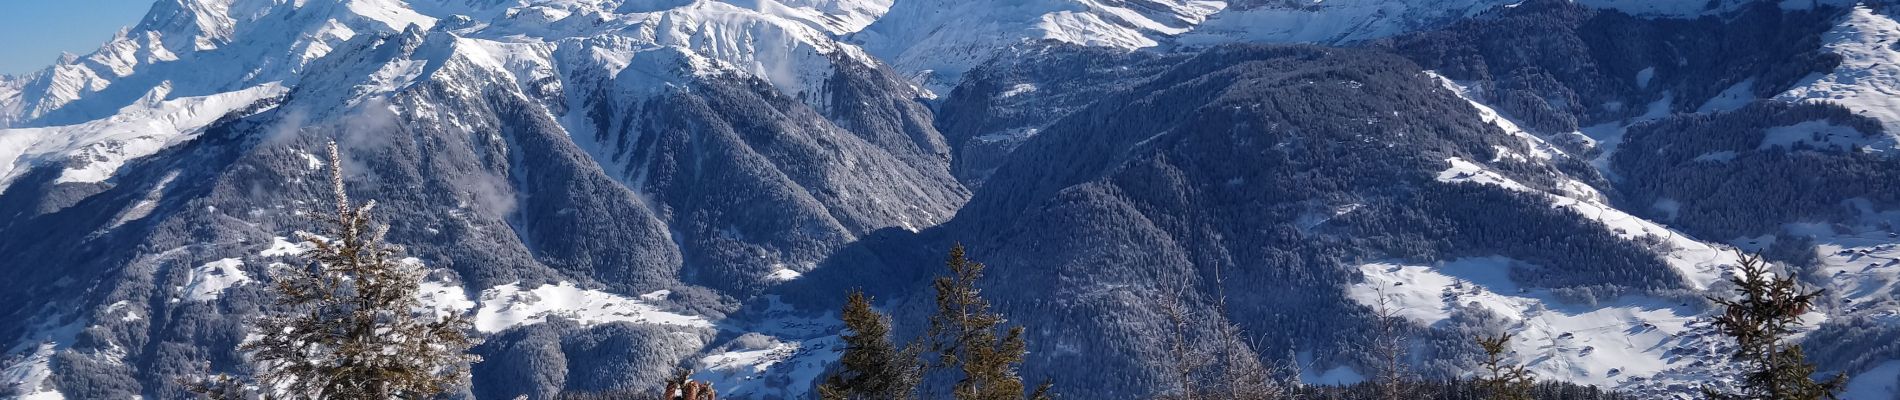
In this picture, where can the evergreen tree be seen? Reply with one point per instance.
(1389, 346)
(873, 367)
(1503, 381)
(682, 387)
(349, 324)
(964, 337)
(1766, 311)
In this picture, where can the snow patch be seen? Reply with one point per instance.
(1602, 345)
(740, 369)
(1700, 263)
(1817, 134)
(1730, 99)
(783, 275)
(445, 298)
(1868, 79)
(1019, 89)
(207, 281)
(94, 151)
(1880, 383)
(31, 375)
(1462, 171)
(508, 306)
(282, 247)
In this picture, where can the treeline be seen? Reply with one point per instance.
(1694, 161)
(1557, 66)
(1213, 362)
(349, 326)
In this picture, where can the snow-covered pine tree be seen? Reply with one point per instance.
(348, 324)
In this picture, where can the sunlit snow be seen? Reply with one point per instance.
(207, 281)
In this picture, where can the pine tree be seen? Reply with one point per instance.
(682, 387)
(1503, 381)
(873, 367)
(1765, 313)
(1389, 346)
(964, 337)
(349, 324)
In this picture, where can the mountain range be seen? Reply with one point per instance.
(613, 188)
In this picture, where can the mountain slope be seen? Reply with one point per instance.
(613, 188)
(666, 159)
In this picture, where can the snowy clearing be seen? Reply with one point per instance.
(508, 306)
(1868, 79)
(1603, 345)
(207, 281)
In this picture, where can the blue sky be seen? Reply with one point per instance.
(34, 32)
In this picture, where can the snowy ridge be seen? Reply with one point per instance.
(938, 40)
(1540, 149)
(1868, 79)
(1332, 22)
(29, 375)
(93, 151)
(158, 98)
(1700, 263)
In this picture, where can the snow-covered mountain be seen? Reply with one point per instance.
(612, 188)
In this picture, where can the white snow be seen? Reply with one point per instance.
(1466, 171)
(284, 247)
(783, 275)
(508, 306)
(446, 298)
(1730, 99)
(779, 356)
(938, 40)
(1332, 21)
(1868, 79)
(1576, 343)
(1818, 134)
(93, 151)
(1645, 76)
(1700, 263)
(1019, 89)
(738, 372)
(207, 281)
(1880, 383)
(30, 375)
(1540, 149)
